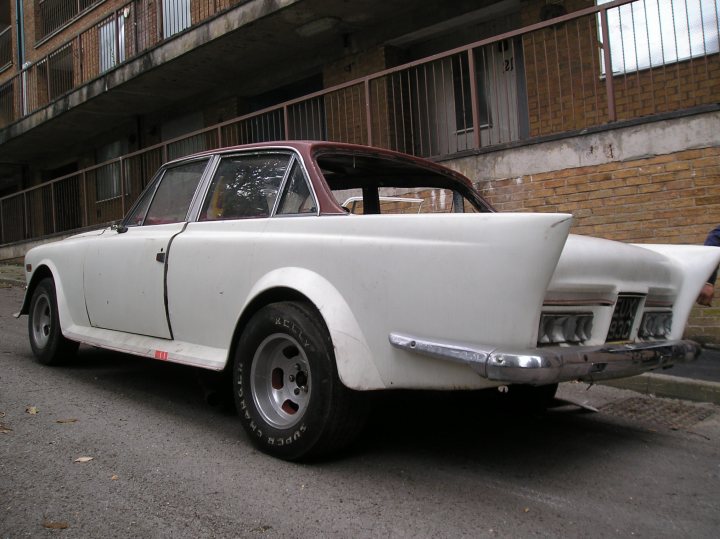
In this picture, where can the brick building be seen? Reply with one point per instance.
(607, 111)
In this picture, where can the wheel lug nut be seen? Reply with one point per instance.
(292, 377)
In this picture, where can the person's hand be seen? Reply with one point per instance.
(706, 295)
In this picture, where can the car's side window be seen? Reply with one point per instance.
(175, 193)
(245, 186)
(297, 197)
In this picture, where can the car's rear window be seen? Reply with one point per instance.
(367, 184)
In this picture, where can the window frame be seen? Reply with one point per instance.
(154, 184)
(295, 157)
(285, 184)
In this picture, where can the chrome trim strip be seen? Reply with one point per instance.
(549, 365)
(589, 302)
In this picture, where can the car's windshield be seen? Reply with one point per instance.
(369, 184)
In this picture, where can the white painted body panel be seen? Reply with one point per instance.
(478, 278)
(456, 276)
(128, 301)
(675, 273)
(693, 265)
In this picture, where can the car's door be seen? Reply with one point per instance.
(216, 252)
(124, 268)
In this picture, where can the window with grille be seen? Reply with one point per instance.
(652, 33)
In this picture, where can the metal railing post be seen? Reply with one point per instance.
(368, 112)
(474, 98)
(160, 21)
(116, 52)
(609, 86)
(286, 119)
(85, 200)
(23, 93)
(52, 205)
(122, 186)
(81, 58)
(26, 232)
(47, 76)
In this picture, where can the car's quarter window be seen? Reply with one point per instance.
(175, 193)
(137, 215)
(297, 196)
(245, 186)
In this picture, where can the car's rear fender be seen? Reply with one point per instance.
(696, 262)
(355, 365)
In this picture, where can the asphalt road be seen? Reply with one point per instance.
(166, 464)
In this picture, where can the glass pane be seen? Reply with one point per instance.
(297, 197)
(175, 193)
(138, 215)
(245, 187)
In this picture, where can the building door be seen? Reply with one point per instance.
(498, 88)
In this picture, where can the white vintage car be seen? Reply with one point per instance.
(245, 260)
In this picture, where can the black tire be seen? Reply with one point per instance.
(46, 338)
(290, 399)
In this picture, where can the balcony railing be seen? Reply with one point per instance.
(54, 14)
(122, 35)
(545, 79)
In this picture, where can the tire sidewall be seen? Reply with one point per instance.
(299, 323)
(47, 354)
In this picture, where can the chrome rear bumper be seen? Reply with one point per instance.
(548, 365)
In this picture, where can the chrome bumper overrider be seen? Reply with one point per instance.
(548, 365)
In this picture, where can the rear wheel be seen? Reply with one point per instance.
(287, 391)
(46, 338)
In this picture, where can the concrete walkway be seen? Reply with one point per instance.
(696, 381)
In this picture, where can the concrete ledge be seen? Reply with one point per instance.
(663, 385)
(590, 148)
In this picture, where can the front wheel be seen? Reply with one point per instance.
(287, 391)
(46, 338)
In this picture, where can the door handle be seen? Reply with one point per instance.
(160, 257)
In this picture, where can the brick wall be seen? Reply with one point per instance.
(670, 198)
(566, 86)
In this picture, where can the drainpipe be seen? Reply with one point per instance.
(20, 21)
